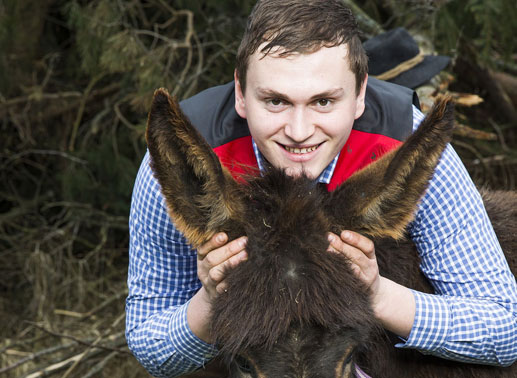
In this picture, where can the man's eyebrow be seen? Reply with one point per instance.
(270, 93)
(331, 93)
(264, 92)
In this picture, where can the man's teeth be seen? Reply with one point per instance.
(300, 150)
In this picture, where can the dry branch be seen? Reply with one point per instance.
(54, 368)
(33, 356)
(118, 337)
(46, 98)
(508, 83)
(101, 306)
(482, 78)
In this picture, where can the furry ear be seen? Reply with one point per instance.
(381, 199)
(201, 195)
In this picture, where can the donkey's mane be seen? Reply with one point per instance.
(289, 279)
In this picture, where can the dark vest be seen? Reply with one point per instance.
(385, 123)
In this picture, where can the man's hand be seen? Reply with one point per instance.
(393, 304)
(215, 258)
(361, 252)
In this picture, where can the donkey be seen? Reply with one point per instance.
(293, 309)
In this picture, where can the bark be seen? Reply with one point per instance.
(24, 21)
(509, 84)
(479, 77)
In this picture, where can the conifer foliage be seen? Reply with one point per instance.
(76, 78)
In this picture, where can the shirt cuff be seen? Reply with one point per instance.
(431, 324)
(185, 342)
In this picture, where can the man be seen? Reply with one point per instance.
(302, 101)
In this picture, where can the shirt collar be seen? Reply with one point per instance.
(323, 178)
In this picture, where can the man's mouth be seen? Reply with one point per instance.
(300, 150)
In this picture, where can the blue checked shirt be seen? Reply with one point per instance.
(472, 316)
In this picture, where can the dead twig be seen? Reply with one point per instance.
(469, 132)
(33, 356)
(100, 366)
(80, 111)
(94, 310)
(39, 97)
(494, 159)
(85, 343)
(54, 368)
(500, 135)
(41, 152)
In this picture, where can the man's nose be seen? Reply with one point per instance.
(299, 127)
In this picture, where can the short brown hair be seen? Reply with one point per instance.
(301, 26)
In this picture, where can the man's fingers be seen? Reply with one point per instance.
(221, 254)
(360, 242)
(215, 258)
(221, 287)
(335, 243)
(360, 251)
(350, 244)
(353, 254)
(218, 272)
(215, 242)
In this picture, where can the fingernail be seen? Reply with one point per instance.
(242, 242)
(330, 238)
(220, 238)
(345, 234)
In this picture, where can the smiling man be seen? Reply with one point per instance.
(302, 101)
(299, 116)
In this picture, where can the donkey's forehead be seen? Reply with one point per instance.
(287, 219)
(284, 204)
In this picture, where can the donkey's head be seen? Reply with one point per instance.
(291, 309)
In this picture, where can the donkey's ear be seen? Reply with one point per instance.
(381, 199)
(201, 196)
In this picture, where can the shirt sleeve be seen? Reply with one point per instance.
(472, 316)
(162, 278)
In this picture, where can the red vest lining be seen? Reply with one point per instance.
(361, 149)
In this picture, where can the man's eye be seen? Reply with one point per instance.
(323, 102)
(275, 102)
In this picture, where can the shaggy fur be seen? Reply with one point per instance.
(293, 309)
(289, 279)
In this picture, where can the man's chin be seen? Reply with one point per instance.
(300, 171)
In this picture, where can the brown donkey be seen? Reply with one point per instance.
(293, 309)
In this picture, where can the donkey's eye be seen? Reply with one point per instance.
(348, 358)
(346, 367)
(244, 365)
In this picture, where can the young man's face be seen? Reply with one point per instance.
(300, 109)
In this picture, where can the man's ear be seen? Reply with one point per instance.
(201, 196)
(381, 199)
(359, 108)
(240, 104)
